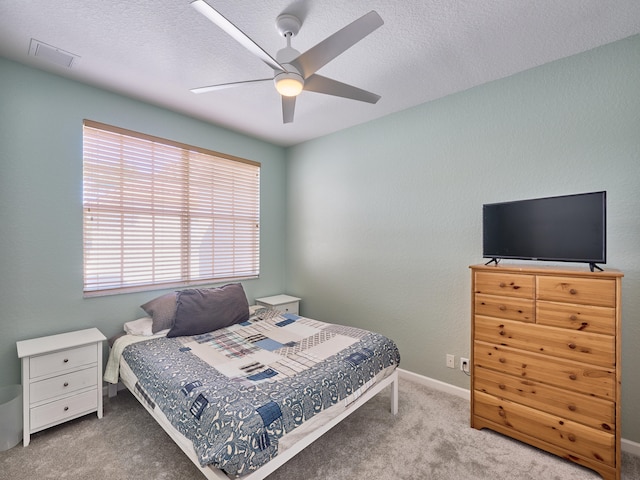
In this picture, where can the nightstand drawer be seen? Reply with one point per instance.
(288, 307)
(60, 410)
(63, 384)
(62, 360)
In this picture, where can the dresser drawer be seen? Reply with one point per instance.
(586, 318)
(571, 436)
(590, 411)
(61, 361)
(62, 384)
(511, 308)
(579, 377)
(585, 347)
(588, 291)
(60, 410)
(505, 284)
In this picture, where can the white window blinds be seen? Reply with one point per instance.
(162, 214)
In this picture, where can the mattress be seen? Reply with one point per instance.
(242, 393)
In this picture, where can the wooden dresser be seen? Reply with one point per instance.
(545, 362)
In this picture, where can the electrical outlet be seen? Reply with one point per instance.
(464, 364)
(451, 361)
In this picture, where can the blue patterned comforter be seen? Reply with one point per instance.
(236, 391)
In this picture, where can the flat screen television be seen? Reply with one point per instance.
(569, 228)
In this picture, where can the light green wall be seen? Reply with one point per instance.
(41, 204)
(384, 218)
(381, 220)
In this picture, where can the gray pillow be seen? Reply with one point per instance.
(202, 310)
(162, 311)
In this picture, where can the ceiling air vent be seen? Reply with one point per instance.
(52, 54)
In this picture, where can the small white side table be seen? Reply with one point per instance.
(61, 378)
(284, 303)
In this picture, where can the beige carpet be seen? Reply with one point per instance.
(428, 439)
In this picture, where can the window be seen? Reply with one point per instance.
(162, 214)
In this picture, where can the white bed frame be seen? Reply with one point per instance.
(215, 474)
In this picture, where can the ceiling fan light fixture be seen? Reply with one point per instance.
(289, 84)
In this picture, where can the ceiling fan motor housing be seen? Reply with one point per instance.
(288, 25)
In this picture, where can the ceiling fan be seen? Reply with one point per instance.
(293, 71)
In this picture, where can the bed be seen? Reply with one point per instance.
(242, 399)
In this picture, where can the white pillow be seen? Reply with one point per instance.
(142, 326)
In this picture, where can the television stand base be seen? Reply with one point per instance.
(593, 266)
(493, 260)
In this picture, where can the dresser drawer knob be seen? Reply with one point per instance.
(572, 408)
(502, 307)
(606, 427)
(66, 384)
(573, 291)
(66, 360)
(573, 318)
(501, 360)
(573, 376)
(66, 409)
(502, 386)
(502, 285)
(571, 437)
(572, 346)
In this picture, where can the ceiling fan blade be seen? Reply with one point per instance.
(221, 86)
(316, 57)
(320, 84)
(288, 106)
(238, 35)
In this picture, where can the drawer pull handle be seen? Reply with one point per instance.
(572, 346)
(573, 291)
(571, 437)
(502, 285)
(66, 360)
(606, 427)
(66, 409)
(502, 360)
(502, 307)
(573, 376)
(573, 318)
(66, 384)
(572, 408)
(502, 386)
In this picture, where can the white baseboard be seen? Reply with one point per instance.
(435, 384)
(628, 446)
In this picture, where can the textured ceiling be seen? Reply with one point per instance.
(156, 50)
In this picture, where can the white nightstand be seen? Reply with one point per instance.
(284, 303)
(61, 378)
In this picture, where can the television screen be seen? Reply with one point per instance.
(570, 228)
